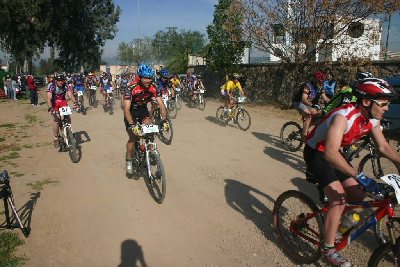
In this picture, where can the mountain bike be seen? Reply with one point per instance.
(291, 135)
(299, 223)
(238, 115)
(66, 138)
(165, 135)
(178, 98)
(146, 157)
(12, 218)
(197, 100)
(80, 102)
(169, 104)
(92, 96)
(109, 101)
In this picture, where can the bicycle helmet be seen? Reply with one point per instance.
(59, 77)
(164, 73)
(145, 71)
(199, 76)
(363, 75)
(319, 76)
(374, 88)
(235, 76)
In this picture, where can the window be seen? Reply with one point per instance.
(356, 29)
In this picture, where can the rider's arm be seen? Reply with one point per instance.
(71, 96)
(333, 143)
(163, 109)
(127, 111)
(49, 97)
(325, 97)
(383, 146)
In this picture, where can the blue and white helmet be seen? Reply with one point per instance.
(145, 71)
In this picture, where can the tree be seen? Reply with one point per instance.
(226, 45)
(296, 31)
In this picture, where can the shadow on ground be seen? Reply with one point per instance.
(131, 254)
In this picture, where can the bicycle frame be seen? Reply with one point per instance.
(385, 207)
(63, 125)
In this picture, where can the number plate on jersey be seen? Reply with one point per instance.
(165, 97)
(109, 91)
(65, 111)
(201, 91)
(80, 93)
(150, 128)
(93, 87)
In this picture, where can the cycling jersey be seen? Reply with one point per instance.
(312, 93)
(163, 86)
(357, 127)
(231, 86)
(140, 96)
(175, 82)
(58, 93)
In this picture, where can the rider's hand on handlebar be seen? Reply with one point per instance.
(51, 110)
(135, 128)
(165, 125)
(369, 184)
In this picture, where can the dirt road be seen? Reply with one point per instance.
(221, 185)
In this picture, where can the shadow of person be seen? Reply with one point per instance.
(78, 137)
(214, 120)
(269, 138)
(242, 198)
(131, 254)
(292, 160)
(306, 187)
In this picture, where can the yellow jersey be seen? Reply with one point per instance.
(175, 82)
(231, 86)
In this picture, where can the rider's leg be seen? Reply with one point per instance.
(306, 121)
(130, 146)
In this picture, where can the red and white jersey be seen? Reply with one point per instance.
(357, 127)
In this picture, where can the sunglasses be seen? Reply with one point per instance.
(381, 104)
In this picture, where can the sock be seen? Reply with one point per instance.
(327, 246)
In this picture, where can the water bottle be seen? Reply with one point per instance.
(349, 220)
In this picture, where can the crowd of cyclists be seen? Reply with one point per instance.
(347, 111)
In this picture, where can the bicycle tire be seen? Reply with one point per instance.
(294, 135)
(221, 117)
(241, 114)
(382, 254)
(172, 110)
(298, 253)
(379, 168)
(158, 180)
(201, 102)
(178, 100)
(72, 146)
(166, 138)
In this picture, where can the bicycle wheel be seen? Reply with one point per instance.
(201, 102)
(166, 135)
(72, 149)
(300, 238)
(178, 101)
(292, 136)
(383, 256)
(172, 110)
(243, 119)
(157, 180)
(221, 117)
(376, 166)
(83, 109)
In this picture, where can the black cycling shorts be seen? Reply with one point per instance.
(138, 115)
(323, 172)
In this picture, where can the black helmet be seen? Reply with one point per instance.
(59, 77)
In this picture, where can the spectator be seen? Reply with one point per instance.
(9, 87)
(33, 89)
(329, 86)
(14, 87)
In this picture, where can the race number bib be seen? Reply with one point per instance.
(80, 93)
(109, 91)
(394, 181)
(150, 128)
(93, 87)
(65, 111)
(201, 91)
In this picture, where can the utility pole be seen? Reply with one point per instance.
(387, 36)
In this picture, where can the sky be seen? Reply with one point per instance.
(156, 15)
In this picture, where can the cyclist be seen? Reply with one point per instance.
(165, 85)
(124, 87)
(135, 108)
(198, 84)
(106, 85)
(343, 127)
(175, 81)
(56, 99)
(231, 89)
(306, 99)
(78, 84)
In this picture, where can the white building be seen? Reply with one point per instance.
(359, 40)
